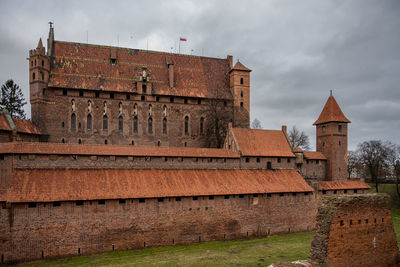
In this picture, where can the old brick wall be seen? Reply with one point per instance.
(69, 229)
(354, 231)
(57, 111)
(314, 169)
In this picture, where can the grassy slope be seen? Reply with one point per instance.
(252, 252)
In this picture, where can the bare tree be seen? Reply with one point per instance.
(217, 123)
(375, 155)
(394, 164)
(256, 124)
(299, 139)
(354, 165)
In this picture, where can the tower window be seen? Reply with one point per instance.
(241, 93)
(187, 125)
(105, 123)
(323, 129)
(73, 122)
(165, 126)
(144, 88)
(42, 63)
(150, 125)
(241, 80)
(33, 76)
(241, 104)
(135, 124)
(89, 122)
(340, 128)
(120, 124)
(113, 61)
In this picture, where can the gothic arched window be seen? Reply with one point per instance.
(150, 125)
(73, 122)
(164, 126)
(89, 122)
(187, 125)
(135, 124)
(105, 123)
(120, 124)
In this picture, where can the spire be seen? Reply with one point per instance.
(331, 113)
(50, 40)
(40, 44)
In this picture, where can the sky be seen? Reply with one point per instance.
(298, 50)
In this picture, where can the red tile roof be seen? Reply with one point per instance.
(86, 66)
(264, 143)
(4, 123)
(116, 150)
(337, 185)
(331, 113)
(25, 126)
(63, 185)
(240, 66)
(314, 155)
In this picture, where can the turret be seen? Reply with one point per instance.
(239, 82)
(39, 72)
(331, 128)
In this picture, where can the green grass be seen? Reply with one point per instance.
(251, 252)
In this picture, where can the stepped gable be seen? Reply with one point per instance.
(331, 113)
(41, 185)
(313, 155)
(264, 143)
(87, 66)
(114, 150)
(340, 185)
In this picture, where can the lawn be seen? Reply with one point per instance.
(250, 252)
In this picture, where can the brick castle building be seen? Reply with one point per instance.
(130, 148)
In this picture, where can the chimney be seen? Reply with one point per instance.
(284, 129)
(171, 74)
(230, 59)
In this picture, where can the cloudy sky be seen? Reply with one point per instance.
(298, 50)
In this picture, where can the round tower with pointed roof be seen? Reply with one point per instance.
(331, 132)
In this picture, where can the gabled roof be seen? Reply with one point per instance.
(87, 66)
(331, 113)
(112, 150)
(338, 185)
(240, 66)
(314, 155)
(267, 143)
(41, 185)
(21, 125)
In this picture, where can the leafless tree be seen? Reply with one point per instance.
(394, 165)
(256, 124)
(299, 139)
(375, 155)
(354, 166)
(217, 121)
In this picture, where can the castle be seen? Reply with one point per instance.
(130, 148)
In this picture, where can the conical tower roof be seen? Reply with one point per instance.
(240, 66)
(40, 44)
(331, 113)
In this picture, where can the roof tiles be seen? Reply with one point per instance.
(86, 66)
(267, 143)
(331, 113)
(115, 150)
(314, 155)
(338, 185)
(68, 185)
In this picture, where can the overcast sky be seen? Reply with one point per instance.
(298, 50)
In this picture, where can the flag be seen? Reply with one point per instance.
(182, 39)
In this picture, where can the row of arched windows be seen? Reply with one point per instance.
(135, 124)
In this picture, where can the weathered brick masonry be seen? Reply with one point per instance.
(354, 231)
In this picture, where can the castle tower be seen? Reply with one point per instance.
(39, 69)
(239, 82)
(331, 128)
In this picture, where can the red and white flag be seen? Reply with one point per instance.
(182, 39)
